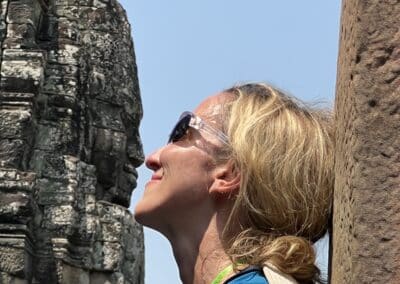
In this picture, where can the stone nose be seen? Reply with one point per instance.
(135, 150)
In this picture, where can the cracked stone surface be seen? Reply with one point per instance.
(366, 230)
(70, 110)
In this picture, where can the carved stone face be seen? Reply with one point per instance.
(115, 111)
(117, 149)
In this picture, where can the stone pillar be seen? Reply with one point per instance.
(69, 116)
(366, 219)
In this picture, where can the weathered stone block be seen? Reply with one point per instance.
(61, 85)
(11, 179)
(63, 101)
(35, 56)
(99, 19)
(56, 217)
(68, 31)
(109, 212)
(12, 153)
(71, 12)
(6, 97)
(106, 116)
(67, 54)
(125, 183)
(3, 10)
(109, 142)
(71, 274)
(14, 124)
(103, 277)
(66, 3)
(86, 231)
(107, 256)
(110, 232)
(22, 69)
(50, 137)
(87, 180)
(47, 165)
(16, 256)
(15, 208)
(12, 260)
(20, 36)
(55, 192)
(58, 70)
(24, 12)
(134, 246)
(13, 84)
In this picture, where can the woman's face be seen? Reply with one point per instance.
(182, 174)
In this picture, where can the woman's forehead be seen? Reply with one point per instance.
(211, 106)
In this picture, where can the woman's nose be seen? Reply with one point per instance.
(153, 160)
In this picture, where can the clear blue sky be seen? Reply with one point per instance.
(187, 50)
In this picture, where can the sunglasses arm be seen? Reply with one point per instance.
(198, 124)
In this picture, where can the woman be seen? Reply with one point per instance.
(243, 188)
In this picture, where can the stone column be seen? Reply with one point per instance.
(69, 116)
(366, 219)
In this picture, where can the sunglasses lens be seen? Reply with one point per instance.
(180, 128)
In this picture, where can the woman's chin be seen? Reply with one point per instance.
(144, 215)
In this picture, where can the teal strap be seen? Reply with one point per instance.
(222, 274)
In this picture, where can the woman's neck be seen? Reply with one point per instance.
(200, 257)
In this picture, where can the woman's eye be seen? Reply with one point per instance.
(186, 135)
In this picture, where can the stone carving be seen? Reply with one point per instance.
(366, 221)
(69, 144)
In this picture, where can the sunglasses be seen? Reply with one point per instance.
(189, 119)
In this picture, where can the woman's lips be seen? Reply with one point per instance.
(156, 177)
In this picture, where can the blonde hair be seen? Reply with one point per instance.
(284, 153)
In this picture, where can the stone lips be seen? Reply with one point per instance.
(70, 109)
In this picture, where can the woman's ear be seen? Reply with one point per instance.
(226, 179)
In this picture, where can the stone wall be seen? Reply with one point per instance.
(366, 223)
(69, 144)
